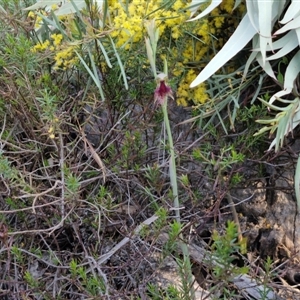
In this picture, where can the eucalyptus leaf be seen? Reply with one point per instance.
(297, 33)
(292, 71)
(279, 95)
(237, 3)
(265, 27)
(252, 11)
(291, 74)
(280, 43)
(294, 24)
(123, 73)
(194, 5)
(94, 75)
(104, 53)
(289, 46)
(253, 55)
(42, 4)
(266, 66)
(239, 39)
(287, 123)
(213, 5)
(66, 7)
(292, 12)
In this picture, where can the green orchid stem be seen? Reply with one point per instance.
(161, 96)
(173, 180)
(172, 167)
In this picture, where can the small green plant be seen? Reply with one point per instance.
(267, 277)
(16, 179)
(95, 285)
(72, 183)
(173, 233)
(226, 159)
(236, 178)
(48, 104)
(224, 251)
(73, 268)
(31, 281)
(92, 284)
(153, 176)
(18, 254)
(104, 198)
(169, 293)
(162, 214)
(132, 150)
(6, 170)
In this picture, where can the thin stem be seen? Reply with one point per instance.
(173, 180)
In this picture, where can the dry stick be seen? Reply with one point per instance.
(51, 229)
(103, 258)
(235, 217)
(95, 156)
(28, 208)
(38, 195)
(61, 164)
(3, 128)
(233, 210)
